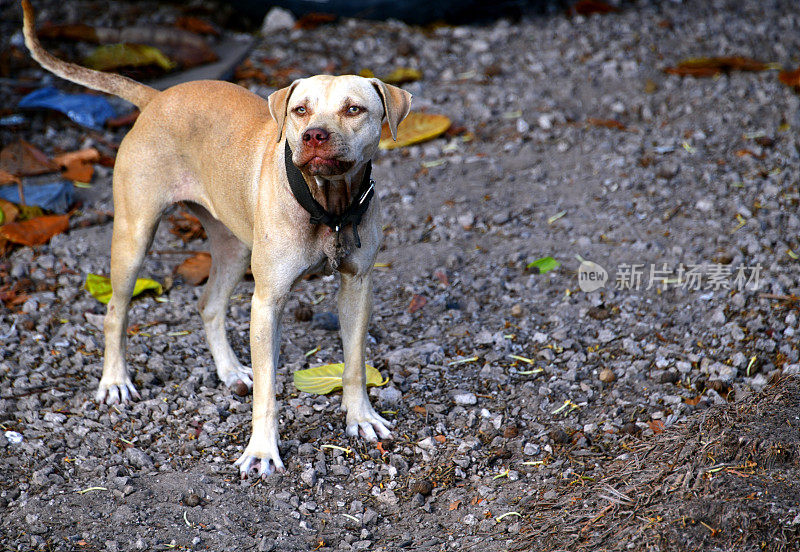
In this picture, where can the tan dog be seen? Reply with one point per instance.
(220, 147)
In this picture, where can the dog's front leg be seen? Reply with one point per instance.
(355, 305)
(269, 298)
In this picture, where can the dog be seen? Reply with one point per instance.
(279, 185)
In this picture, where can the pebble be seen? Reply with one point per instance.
(465, 399)
(607, 375)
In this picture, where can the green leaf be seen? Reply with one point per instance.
(100, 287)
(321, 380)
(545, 264)
(112, 56)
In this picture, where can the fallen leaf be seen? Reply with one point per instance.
(114, 56)
(790, 78)
(589, 7)
(419, 409)
(379, 446)
(7, 178)
(712, 66)
(178, 45)
(36, 231)
(543, 265)
(441, 275)
(417, 302)
(123, 120)
(313, 20)
(440, 438)
(196, 25)
(454, 505)
(415, 128)
(195, 269)
(656, 425)
(78, 165)
(8, 212)
(607, 123)
(100, 287)
(23, 159)
(247, 71)
(693, 401)
(322, 380)
(402, 75)
(187, 227)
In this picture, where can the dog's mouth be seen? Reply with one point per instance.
(319, 165)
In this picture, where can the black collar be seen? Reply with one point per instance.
(351, 215)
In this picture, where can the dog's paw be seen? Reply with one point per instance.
(259, 461)
(236, 376)
(113, 393)
(363, 420)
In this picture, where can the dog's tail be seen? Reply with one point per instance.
(127, 89)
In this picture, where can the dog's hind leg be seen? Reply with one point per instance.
(229, 261)
(134, 226)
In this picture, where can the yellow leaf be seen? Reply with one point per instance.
(100, 287)
(415, 128)
(321, 380)
(112, 56)
(402, 75)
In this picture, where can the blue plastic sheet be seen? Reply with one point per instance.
(56, 196)
(85, 109)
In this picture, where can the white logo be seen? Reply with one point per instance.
(591, 276)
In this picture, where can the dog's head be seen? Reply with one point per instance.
(333, 124)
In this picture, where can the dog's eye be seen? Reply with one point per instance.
(354, 109)
(300, 110)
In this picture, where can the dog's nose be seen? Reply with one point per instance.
(315, 136)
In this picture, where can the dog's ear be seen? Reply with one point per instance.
(396, 103)
(279, 104)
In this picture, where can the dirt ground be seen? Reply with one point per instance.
(660, 416)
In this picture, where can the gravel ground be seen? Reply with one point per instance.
(575, 449)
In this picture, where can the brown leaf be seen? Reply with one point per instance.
(196, 25)
(77, 31)
(23, 159)
(693, 401)
(78, 165)
(10, 211)
(313, 20)
(589, 7)
(36, 231)
(7, 178)
(195, 269)
(607, 123)
(187, 227)
(790, 78)
(440, 438)
(441, 275)
(712, 66)
(656, 425)
(419, 409)
(123, 120)
(454, 505)
(417, 302)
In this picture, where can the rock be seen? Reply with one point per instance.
(607, 375)
(530, 449)
(465, 399)
(390, 396)
(191, 499)
(421, 486)
(303, 312)
(138, 458)
(309, 477)
(325, 321)
(388, 498)
(517, 311)
(277, 19)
